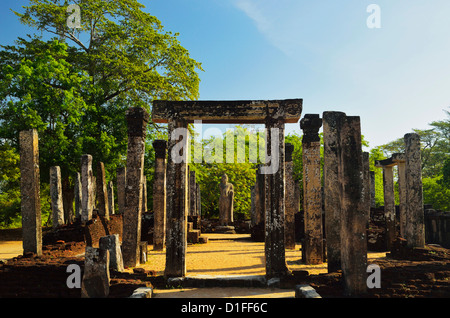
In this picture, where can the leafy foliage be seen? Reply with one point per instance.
(74, 88)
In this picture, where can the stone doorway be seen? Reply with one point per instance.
(274, 114)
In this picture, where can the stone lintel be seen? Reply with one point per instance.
(392, 161)
(236, 111)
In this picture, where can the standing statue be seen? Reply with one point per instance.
(226, 201)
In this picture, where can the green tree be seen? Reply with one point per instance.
(446, 173)
(436, 193)
(75, 87)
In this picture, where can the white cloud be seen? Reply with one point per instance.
(270, 21)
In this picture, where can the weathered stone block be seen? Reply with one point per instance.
(112, 244)
(95, 283)
(193, 236)
(30, 204)
(102, 192)
(305, 291)
(78, 195)
(56, 197)
(87, 188)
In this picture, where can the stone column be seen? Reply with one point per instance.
(199, 204)
(56, 197)
(372, 189)
(112, 244)
(77, 195)
(275, 199)
(177, 198)
(290, 209)
(144, 194)
(159, 194)
(121, 186)
(353, 211)
(312, 190)
(367, 186)
(192, 194)
(399, 158)
(102, 192)
(87, 188)
(96, 277)
(389, 204)
(415, 232)
(332, 125)
(111, 198)
(137, 119)
(30, 204)
(257, 229)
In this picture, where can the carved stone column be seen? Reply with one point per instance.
(312, 190)
(177, 199)
(137, 122)
(275, 199)
(332, 126)
(291, 209)
(30, 192)
(159, 194)
(415, 228)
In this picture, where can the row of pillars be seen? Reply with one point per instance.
(346, 194)
(411, 211)
(131, 187)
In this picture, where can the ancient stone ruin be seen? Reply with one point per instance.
(335, 217)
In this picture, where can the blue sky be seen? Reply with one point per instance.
(395, 78)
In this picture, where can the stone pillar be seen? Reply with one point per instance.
(192, 194)
(112, 244)
(312, 190)
(144, 194)
(289, 229)
(275, 199)
(199, 201)
(332, 125)
(402, 196)
(121, 186)
(56, 197)
(389, 204)
(87, 188)
(159, 195)
(415, 233)
(367, 186)
(102, 192)
(111, 206)
(137, 119)
(353, 211)
(77, 195)
(30, 204)
(177, 198)
(95, 283)
(257, 229)
(372, 189)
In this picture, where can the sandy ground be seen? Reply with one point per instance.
(10, 249)
(223, 255)
(237, 256)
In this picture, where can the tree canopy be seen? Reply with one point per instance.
(74, 84)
